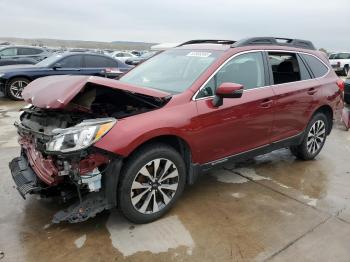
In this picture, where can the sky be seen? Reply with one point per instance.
(326, 23)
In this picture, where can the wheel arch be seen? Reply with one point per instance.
(180, 145)
(328, 111)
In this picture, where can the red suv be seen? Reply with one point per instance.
(135, 143)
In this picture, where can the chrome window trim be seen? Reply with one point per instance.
(255, 51)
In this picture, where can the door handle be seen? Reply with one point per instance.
(312, 91)
(266, 103)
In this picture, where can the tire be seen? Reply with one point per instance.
(314, 138)
(346, 70)
(15, 87)
(347, 98)
(137, 191)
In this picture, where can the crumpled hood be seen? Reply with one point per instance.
(56, 92)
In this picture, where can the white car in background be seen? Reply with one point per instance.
(340, 62)
(122, 56)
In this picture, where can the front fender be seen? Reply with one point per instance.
(129, 133)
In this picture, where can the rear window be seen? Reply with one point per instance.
(94, 61)
(341, 56)
(316, 66)
(28, 51)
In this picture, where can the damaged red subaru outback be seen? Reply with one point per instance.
(135, 143)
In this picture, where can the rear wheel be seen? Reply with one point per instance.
(346, 70)
(314, 139)
(15, 87)
(347, 98)
(152, 180)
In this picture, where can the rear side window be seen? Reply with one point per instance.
(287, 67)
(316, 66)
(99, 61)
(28, 51)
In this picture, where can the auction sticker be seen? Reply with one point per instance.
(199, 54)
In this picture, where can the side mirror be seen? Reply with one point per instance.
(227, 90)
(57, 65)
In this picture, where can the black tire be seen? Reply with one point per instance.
(131, 172)
(11, 93)
(346, 70)
(347, 98)
(303, 150)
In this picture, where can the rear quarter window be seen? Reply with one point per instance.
(316, 66)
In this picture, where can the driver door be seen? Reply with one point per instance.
(240, 124)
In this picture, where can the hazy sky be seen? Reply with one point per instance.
(326, 23)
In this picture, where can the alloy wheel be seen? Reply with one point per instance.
(316, 137)
(17, 87)
(154, 186)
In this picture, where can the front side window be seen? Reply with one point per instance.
(285, 68)
(172, 71)
(8, 52)
(74, 61)
(246, 69)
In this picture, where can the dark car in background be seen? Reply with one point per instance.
(11, 55)
(347, 91)
(140, 59)
(13, 79)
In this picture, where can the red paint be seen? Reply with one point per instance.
(56, 92)
(259, 117)
(91, 162)
(44, 168)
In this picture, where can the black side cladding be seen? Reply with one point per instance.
(24, 177)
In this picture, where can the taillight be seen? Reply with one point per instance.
(341, 85)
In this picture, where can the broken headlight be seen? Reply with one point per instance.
(80, 136)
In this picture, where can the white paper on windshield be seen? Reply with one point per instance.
(199, 54)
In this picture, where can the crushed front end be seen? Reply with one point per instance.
(58, 160)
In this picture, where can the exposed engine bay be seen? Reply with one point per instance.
(58, 157)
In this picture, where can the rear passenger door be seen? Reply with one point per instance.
(296, 93)
(240, 124)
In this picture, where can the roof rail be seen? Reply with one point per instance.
(208, 41)
(275, 41)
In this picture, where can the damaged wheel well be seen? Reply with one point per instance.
(328, 112)
(179, 144)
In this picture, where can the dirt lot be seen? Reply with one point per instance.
(273, 207)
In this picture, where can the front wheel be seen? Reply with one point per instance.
(314, 138)
(15, 86)
(152, 180)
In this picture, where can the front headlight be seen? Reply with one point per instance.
(80, 136)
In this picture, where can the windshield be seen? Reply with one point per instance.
(341, 56)
(49, 61)
(172, 71)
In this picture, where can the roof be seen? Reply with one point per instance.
(253, 41)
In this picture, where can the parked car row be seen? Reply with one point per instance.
(13, 79)
(10, 55)
(340, 62)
